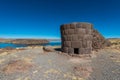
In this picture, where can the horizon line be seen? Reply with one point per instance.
(40, 37)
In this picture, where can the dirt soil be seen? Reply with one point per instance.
(35, 64)
(106, 66)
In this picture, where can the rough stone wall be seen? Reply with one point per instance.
(81, 36)
(98, 41)
(76, 35)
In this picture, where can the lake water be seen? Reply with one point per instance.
(4, 45)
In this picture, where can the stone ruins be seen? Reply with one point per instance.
(81, 38)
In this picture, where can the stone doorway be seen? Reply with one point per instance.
(76, 50)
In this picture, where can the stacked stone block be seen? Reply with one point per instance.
(81, 37)
(76, 36)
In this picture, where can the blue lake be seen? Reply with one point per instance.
(52, 43)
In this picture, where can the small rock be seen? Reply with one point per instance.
(48, 48)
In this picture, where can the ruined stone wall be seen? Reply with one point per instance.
(76, 36)
(82, 37)
(98, 41)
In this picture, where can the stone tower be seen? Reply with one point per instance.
(81, 38)
(76, 38)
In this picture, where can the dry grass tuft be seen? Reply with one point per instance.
(115, 43)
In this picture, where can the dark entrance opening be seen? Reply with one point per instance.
(76, 50)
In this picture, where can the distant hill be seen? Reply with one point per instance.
(25, 41)
(54, 39)
(113, 38)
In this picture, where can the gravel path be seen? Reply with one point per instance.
(106, 66)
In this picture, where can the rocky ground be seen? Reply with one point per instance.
(106, 66)
(33, 63)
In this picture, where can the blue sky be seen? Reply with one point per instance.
(42, 18)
